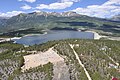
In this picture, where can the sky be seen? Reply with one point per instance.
(94, 8)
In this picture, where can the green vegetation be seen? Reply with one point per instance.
(35, 22)
(20, 33)
(41, 47)
(11, 61)
(47, 69)
(96, 55)
(11, 46)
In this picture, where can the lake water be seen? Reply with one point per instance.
(54, 35)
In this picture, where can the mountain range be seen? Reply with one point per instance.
(48, 20)
(116, 17)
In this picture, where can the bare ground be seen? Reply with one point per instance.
(60, 69)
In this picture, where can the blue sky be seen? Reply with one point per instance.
(95, 8)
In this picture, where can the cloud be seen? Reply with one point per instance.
(31, 1)
(111, 2)
(37, 11)
(55, 5)
(19, 0)
(10, 14)
(26, 7)
(108, 9)
(70, 0)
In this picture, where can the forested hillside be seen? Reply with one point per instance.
(100, 59)
(46, 20)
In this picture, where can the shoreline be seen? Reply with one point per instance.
(9, 39)
(114, 38)
(96, 35)
(34, 34)
(15, 38)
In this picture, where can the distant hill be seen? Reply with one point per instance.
(116, 18)
(48, 20)
(3, 20)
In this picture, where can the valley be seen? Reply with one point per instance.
(60, 40)
(59, 46)
(37, 22)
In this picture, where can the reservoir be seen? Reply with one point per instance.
(54, 35)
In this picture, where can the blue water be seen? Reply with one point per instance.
(54, 35)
